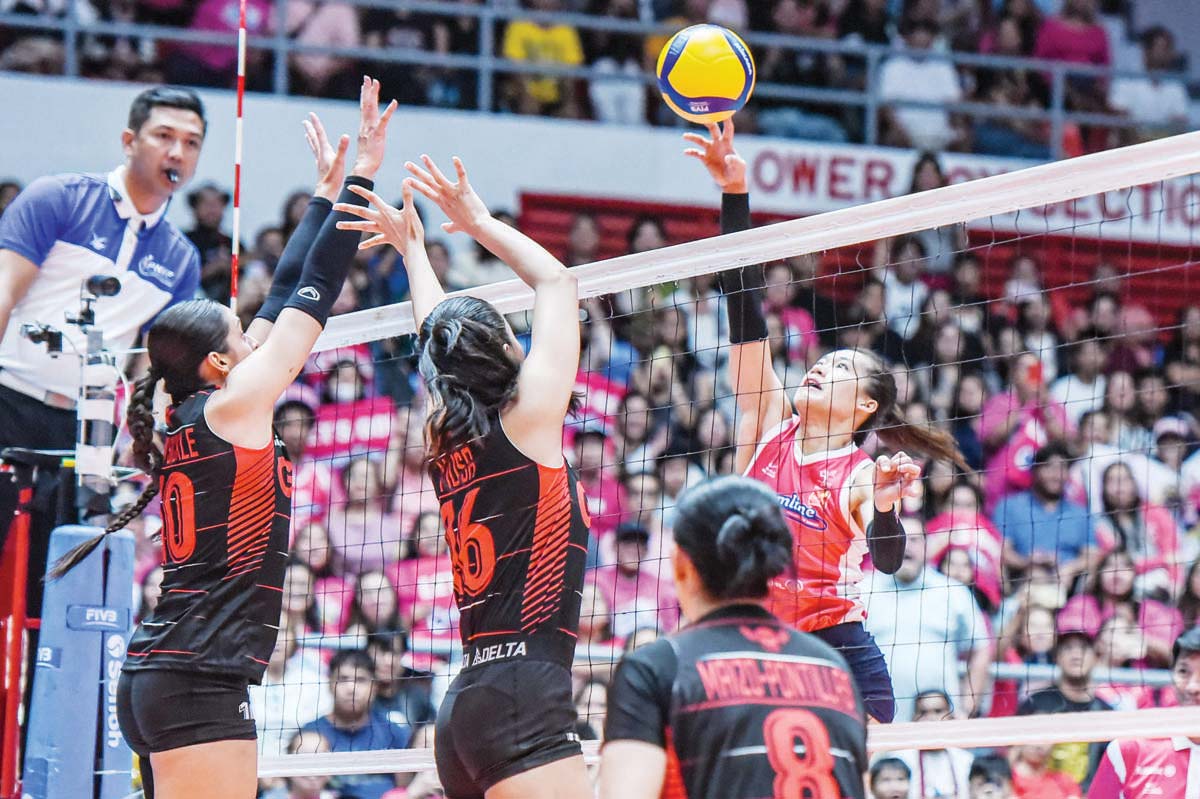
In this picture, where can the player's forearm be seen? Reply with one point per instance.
(532, 263)
(423, 284)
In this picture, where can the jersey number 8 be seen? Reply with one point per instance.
(471, 547)
(798, 749)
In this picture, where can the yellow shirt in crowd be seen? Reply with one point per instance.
(557, 44)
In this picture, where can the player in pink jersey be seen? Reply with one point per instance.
(1141, 768)
(839, 502)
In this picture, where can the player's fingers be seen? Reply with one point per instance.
(374, 241)
(368, 195)
(449, 227)
(419, 173)
(361, 227)
(343, 146)
(427, 191)
(387, 114)
(714, 131)
(727, 130)
(433, 170)
(460, 170)
(697, 139)
(883, 463)
(406, 193)
(694, 153)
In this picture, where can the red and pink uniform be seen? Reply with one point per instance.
(1144, 768)
(829, 545)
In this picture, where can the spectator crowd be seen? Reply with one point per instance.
(1071, 541)
(1087, 34)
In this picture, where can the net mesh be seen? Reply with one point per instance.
(1047, 587)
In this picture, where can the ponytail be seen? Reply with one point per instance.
(470, 375)
(147, 457)
(890, 426)
(895, 432)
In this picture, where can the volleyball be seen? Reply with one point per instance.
(705, 73)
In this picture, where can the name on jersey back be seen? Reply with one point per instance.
(774, 678)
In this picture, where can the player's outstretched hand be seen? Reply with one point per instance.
(719, 158)
(456, 199)
(372, 130)
(896, 477)
(331, 161)
(399, 227)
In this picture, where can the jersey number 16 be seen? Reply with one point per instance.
(471, 547)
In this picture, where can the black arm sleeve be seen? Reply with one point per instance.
(639, 696)
(291, 263)
(742, 287)
(886, 540)
(329, 259)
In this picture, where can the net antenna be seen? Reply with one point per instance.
(237, 159)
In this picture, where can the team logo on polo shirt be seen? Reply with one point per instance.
(99, 242)
(148, 267)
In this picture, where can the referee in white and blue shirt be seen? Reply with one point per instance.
(63, 229)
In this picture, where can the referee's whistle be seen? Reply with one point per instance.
(173, 175)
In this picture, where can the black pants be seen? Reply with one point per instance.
(27, 423)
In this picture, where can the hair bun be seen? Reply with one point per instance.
(735, 533)
(444, 335)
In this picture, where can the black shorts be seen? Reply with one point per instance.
(501, 720)
(161, 710)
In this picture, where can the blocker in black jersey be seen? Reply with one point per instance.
(517, 532)
(745, 708)
(225, 512)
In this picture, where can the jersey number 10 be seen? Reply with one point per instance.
(472, 549)
(798, 749)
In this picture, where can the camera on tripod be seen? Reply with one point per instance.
(92, 289)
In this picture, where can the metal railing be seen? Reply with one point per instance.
(487, 66)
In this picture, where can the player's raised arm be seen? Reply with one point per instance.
(331, 168)
(250, 392)
(547, 377)
(761, 400)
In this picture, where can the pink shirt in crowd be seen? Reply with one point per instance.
(1008, 470)
(1160, 549)
(1157, 621)
(1059, 40)
(221, 16)
(640, 600)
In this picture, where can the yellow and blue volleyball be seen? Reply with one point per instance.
(705, 73)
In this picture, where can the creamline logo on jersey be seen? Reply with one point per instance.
(795, 508)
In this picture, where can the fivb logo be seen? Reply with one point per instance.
(97, 618)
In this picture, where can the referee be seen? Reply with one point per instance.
(63, 229)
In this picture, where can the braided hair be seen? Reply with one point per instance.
(178, 342)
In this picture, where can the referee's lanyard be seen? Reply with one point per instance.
(953, 777)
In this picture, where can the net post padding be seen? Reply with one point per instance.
(1045, 184)
(972, 734)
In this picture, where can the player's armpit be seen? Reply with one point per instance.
(632, 770)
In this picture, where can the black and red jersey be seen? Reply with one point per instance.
(746, 708)
(517, 532)
(225, 513)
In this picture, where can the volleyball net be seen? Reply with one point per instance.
(1048, 318)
